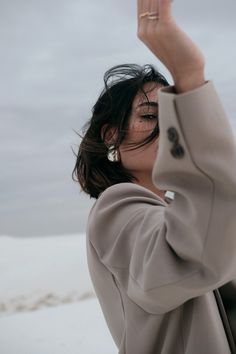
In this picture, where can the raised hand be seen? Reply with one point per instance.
(158, 30)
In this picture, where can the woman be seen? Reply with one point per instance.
(156, 263)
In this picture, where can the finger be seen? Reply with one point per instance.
(154, 13)
(143, 7)
(154, 7)
(140, 6)
(165, 9)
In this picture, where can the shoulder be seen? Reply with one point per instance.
(128, 194)
(121, 206)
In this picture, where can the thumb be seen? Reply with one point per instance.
(165, 9)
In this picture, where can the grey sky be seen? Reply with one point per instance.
(53, 57)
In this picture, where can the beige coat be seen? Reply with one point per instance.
(155, 264)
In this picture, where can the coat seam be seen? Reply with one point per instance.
(109, 267)
(121, 298)
(166, 284)
(116, 282)
(209, 178)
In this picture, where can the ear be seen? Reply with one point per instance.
(109, 136)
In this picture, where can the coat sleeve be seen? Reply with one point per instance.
(164, 255)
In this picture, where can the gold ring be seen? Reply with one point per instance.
(144, 14)
(153, 14)
(153, 17)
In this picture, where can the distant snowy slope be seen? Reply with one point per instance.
(42, 271)
(77, 328)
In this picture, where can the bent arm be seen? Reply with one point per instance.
(164, 255)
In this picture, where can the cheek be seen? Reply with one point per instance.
(135, 137)
(141, 158)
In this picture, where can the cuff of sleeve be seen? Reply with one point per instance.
(172, 89)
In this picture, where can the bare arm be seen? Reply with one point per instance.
(170, 44)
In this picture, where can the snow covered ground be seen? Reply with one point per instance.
(47, 301)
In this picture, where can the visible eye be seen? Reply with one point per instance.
(150, 116)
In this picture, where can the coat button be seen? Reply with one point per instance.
(177, 151)
(173, 135)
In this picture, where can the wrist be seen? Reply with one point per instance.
(190, 83)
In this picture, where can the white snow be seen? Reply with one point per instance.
(47, 301)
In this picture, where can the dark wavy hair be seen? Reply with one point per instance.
(93, 170)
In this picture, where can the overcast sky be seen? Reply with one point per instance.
(53, 57)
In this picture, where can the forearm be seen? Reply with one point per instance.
(203, 174)
(172, 46)
(190, 82)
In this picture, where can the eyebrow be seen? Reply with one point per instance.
(150, 103)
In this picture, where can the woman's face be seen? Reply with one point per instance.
(142, 121)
